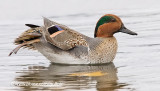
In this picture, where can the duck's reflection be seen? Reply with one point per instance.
(61, 77)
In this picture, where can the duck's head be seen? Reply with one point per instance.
(109, 24)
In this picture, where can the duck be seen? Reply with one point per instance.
(63, 45)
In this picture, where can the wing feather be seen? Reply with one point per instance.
(65, 38)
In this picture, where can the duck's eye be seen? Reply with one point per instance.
(113, 20)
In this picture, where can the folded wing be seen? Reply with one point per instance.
(62, 36)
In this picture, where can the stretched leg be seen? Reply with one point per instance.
(23, 44)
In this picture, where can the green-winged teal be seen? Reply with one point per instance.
(60, 44)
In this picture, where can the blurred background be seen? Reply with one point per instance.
(135, 68)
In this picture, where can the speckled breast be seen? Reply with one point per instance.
(105, 52)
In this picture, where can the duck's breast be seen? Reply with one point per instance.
(103, 51)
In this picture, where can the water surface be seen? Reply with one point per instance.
(135, 68)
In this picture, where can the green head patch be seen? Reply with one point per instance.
(103, 20)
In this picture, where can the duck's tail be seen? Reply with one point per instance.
(27, 38)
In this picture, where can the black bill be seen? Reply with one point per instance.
(125, 30)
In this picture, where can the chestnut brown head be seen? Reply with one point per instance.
(110, 24)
